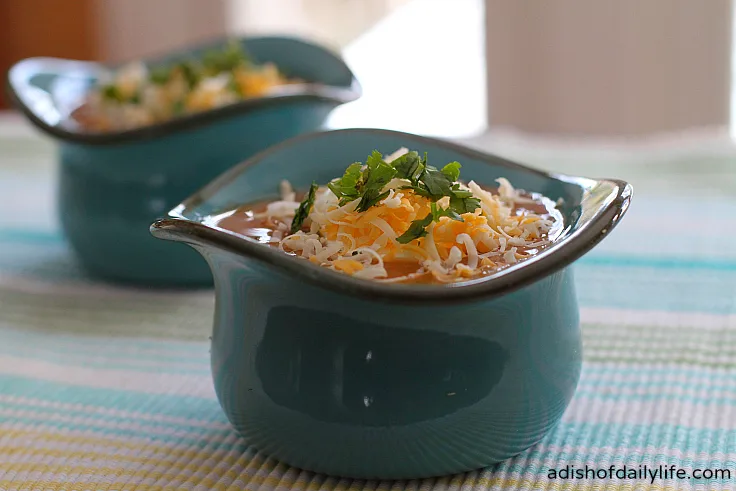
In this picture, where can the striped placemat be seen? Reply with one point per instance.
(109, 388)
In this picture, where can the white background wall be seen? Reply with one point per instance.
(138, 28)
(337, 22)
(133, 28)
(608, 67)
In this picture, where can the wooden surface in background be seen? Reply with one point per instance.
(60, 28)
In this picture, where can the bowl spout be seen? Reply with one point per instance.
(180, 230)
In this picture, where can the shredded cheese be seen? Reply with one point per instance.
(363, 244)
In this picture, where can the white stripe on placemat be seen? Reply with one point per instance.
(656, 318)
(151, 382)
(25, 284)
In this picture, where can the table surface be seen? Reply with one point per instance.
(109, 388)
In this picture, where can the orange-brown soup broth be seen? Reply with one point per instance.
(243, 222)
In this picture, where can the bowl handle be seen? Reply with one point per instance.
(30, 83)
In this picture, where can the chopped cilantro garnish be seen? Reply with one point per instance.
(371, 198)
(438, 213)
(436, 182)
(376, 175)
(178, 107)
(364, 183)
(417, 229)
(226, 59)
(234, 86)
(459, 193)
(452, 171)
(418, 190)
(346, 188)
(409, 166)
(112, 92)
(464, 205)
(367, 182)
(190, 73)
(160, 75)
(463, 201)
(303, 211)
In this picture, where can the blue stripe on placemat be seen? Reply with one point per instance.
(125, 400)
(41, 237)
(30, 236)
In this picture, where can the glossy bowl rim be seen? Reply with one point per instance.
(176, 227)
(337, 95)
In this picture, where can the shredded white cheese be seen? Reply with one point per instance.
(360, 243)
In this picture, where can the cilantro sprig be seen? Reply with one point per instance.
(226, 59)
(436, 184)
(304, 207)
(192, 71)
(366, 182)
(376, 175)
(409, 166)
(111, 92)
(346, 188)
(417, 228)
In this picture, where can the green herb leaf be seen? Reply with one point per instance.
(226, 59)
(160, 75)
(436, 182)
(416, 230)
(370, 199)
(409, 166)
(178, 107)
(304, 207)
(346, 188)
(464, 205)
(367, 183)
(452, 171)
(190, 73)
(234, 86)
(418, 190)
(112, 93)
(438, 213)
(460, 193)
(376, 175)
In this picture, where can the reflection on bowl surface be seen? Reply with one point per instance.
(356, 372)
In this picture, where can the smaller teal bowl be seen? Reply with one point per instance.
(113, 185)
(355, 378)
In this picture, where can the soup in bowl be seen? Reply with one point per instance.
(398, 219)
(393, 306)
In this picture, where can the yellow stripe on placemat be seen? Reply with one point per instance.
(272, 482)
(117, 484)
(194, 460)
(125, 478)
(48, 437)
(218, 469)
(177, 468)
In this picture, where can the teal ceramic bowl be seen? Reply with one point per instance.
(353, 378)
(113, 185)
